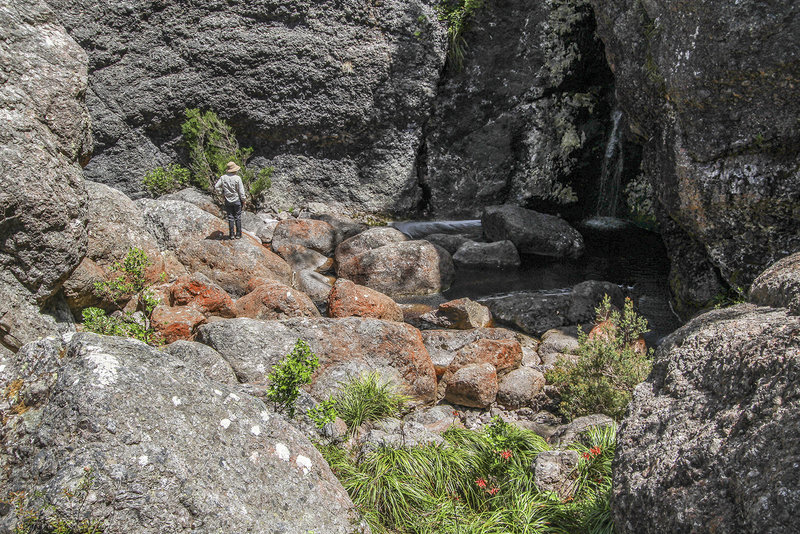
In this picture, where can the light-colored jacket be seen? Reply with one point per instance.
(231, 187)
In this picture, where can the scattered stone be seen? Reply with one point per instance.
(199, 291)
(558, 342)
(473, 385)
(345, 347)
(779, 285)
(498, 255)
(573, 431)
(520, 387)
(556, 471)
(202, 357)
(351, 300)
(273, 300)
(460, 314)
(176, 323)
(535, 312)
(312, 234)
(451, 243)
(443, 345)
(436, 419)
(532, 232)
(317, 286)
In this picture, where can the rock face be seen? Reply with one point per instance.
(169, 449)
(710, 89)
(525, 119)
(44, 133)
(299, 82)
(532, 232)
(345, 347)
(710, 439)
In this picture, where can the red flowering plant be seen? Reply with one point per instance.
(597, 452)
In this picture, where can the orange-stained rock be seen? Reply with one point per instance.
(347, 299)
(310, 233)
(460, 314)
(345, 347)
(198, 291)
(175, 323)
(231, 264)
(443, 345)
(503, 355)
(273, 300)
(473, 385)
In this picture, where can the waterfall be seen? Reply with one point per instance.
(611, 174)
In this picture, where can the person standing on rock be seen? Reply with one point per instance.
(230, 186)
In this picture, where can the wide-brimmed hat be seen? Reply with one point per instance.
(232, 167)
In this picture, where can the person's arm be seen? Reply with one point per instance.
(240, 188)
(218, 186)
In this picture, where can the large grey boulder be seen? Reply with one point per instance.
(401, 269)
(169, 450)
(779, 285)
(709, 91)
(345, 347)
(711, 438)
(44, 134)
(497, 255)
(535, 312)
(333, 95)
(532, 232)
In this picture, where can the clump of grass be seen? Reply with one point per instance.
(457, 14)
(367, 398)
(469, 485)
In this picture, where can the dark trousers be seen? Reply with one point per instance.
(234, 212)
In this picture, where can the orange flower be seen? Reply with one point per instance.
(493, 491)
(481, 483)
(506, 454)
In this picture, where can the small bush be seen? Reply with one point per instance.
(286, 377)
(161, 181)
(212, 144)
(367, 398)
(130, 283)
(609, 365)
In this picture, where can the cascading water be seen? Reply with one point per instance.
(611, 173)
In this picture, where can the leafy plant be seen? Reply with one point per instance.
(367, 398)
(323, 413)
(732, 296)
(163, 180)
(286, 377)
(129, 283)
(456, 14)
(212, 144)
(35, 514)
(610, 364)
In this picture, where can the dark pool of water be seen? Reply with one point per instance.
(615, 251)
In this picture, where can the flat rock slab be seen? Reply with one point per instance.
(532, 232)
(345, 347)
(169, 449)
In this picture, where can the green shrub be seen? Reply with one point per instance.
(286, 377)
(456, 14)
(609, 365)
(161, 181)
(323, 413)
(212, 144)
(367, 398)
(129, 283)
